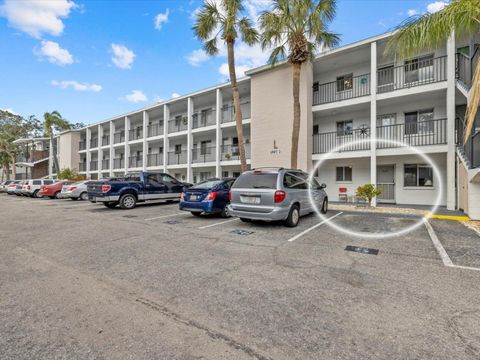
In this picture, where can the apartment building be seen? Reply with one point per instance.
(354, 92)
(33, 158)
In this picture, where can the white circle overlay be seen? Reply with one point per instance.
(396, 144)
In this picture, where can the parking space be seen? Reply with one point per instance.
(155, 281)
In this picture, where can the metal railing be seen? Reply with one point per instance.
(93, 165)
(119, 137)
(118, 163)
(343, 89)
(176, 158)
(105, 140)
(228, 112)
(231, 152)
(463, 69)
(471, 148)
(413, 73)
(82, 166)
(105, 164)
(154, 159)
(135, 134)
(155, 130)
(135, 161)
(82, 145)
(431, 132)
(32, 156)
(176, 125)
(204, 155)
(93, 143)
(204, 118)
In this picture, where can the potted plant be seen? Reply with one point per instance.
(368, 192)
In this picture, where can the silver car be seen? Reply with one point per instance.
(75, 191)
(276, 195)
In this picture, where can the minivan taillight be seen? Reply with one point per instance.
(230, 196)
(279, 196)
(211, 195)
(106, 188)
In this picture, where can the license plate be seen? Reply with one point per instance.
(250, 199)
(194, 197)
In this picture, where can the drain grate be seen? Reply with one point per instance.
(362, 250)
(242, 232)
(130, 216)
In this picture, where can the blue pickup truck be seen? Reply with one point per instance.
(135, 187)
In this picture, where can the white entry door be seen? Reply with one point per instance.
(386, 183)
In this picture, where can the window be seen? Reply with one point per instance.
(165, 178)
(154, 180)
(37, 182)
(344, 128)
(419, 69)
(345, 82)
(235, 174)
(178, 149)
(344, 173)
(178, 120)
(418, 175)
(385, 76)
(295, 180)
(256, 180)
(419, 122)
(225, 174)
(205, 148)
(315, 129)
(386, 119)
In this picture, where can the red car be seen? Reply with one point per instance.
(53, 191)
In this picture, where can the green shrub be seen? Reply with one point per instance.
(368, 192)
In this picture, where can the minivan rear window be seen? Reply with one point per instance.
(256, 180)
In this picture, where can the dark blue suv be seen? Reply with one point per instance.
(207, 197)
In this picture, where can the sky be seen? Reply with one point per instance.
(95, 59)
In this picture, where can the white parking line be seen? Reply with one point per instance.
(164, 216)
(219, 223)
(441, 250)
(313, 227)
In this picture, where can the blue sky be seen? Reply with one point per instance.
(92, 60)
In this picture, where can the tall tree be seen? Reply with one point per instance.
(297, 28)
(432, 30)
(224, 19)
(54, 122)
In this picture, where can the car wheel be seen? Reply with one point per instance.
(110, 205)
(84, 196)
(324, 208)
(35, 194)
(57, 195)
(196, 213)
(246, 220)
(225, 213)
(293, 216)
(128, 201)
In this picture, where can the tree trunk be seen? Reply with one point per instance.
(55, 159)
(14, 170)
(296, 115)
(236, 104)
(472, 104)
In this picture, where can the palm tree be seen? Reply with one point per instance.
(223, 18)
(298, 27)
(432, 30)
(51, 122)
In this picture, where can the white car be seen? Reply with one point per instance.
(32, 187)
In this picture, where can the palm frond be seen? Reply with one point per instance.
(277, 54)
(247, 31)
(210, 46)
(207, 21)
(472, 104)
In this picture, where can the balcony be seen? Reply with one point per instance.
(135, 134)
(32, 157)
(204, 118)
(105, 140)
(228, 112)
(204, 155)
(105, 164)
(82, 166)
(416, 72)
(135, 161)
(231, 152)
(346, 88)
(93, 143)
(119, 163)
(82, 145)
(431, 132)
(177, 157)
(119, 137)
(154, 159)
(470, 149)
(180, 123)
(93, 165)
(155, 130)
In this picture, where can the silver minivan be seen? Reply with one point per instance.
(273, 194)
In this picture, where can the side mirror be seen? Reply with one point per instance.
(323, 186)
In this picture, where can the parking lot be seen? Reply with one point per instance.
(80, 281)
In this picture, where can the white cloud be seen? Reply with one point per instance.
(239, 69)
(436, 6)
(75, 85)
(412, 12)
(161, 19)
(11, 111)
(37, 17)
(136, 96)
(196, 57)
(122, 56)
(54, 53)
(175, 95)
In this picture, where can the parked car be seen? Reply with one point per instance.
(18, 189)
(10, 190)
(53, 191)
(32, 187)
(4, 185)
(207, 197)
(273, 194)
(75, 191)
(135, 187)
